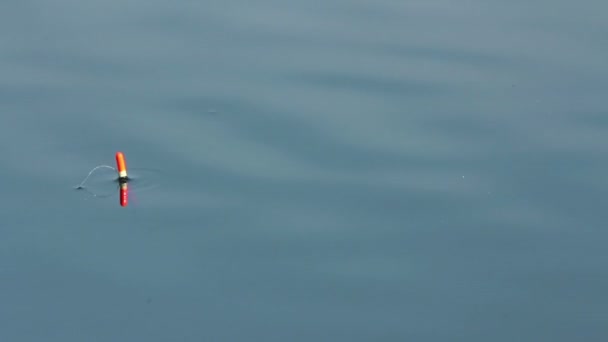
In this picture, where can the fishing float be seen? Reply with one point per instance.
(121, 166)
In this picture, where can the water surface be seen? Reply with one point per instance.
(331, 171)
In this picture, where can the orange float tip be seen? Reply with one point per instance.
(121, 165)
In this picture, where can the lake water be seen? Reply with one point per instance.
(316, 171)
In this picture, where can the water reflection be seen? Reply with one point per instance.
(123, 192)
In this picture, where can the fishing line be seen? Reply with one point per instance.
(81, 186)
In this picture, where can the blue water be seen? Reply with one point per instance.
(322, 171)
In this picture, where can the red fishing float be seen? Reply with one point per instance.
(121, 165)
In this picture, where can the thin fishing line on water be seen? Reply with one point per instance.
(81, 185)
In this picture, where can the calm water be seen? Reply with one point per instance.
(329, 171)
